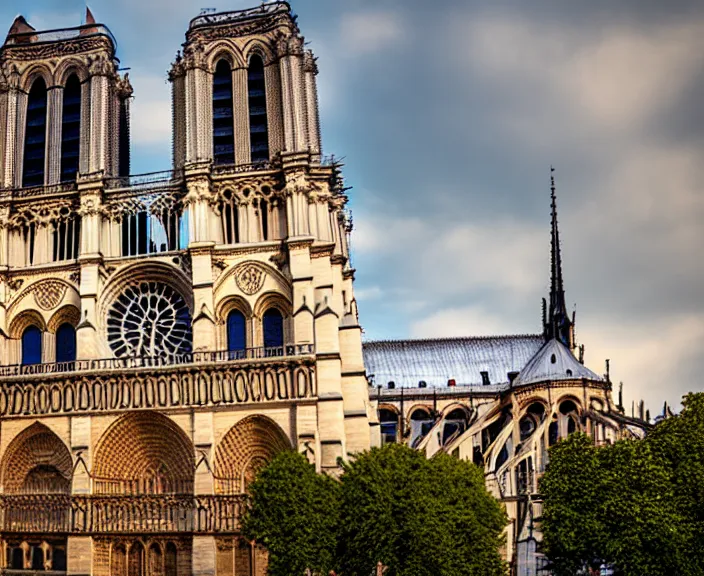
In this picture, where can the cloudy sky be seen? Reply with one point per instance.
(449, 114)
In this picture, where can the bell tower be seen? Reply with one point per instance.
(63, 106)
(244, 89)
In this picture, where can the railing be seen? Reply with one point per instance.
(33, 191)
(60, 34)
(227, 169)
(125, 363)
(95, 514)
(124, 384)
(143, 180)
(237, 15)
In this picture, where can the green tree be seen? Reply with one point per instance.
(640, 516)
(680, 441)
(574, 535)
(635, 505)
(419, 517)
(294, 513)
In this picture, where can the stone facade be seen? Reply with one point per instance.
(162, 336)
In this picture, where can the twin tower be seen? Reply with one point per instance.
(164, 335)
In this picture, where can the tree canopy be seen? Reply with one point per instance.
(417, 516)
(294, 513)
(635, 505)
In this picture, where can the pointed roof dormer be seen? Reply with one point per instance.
(556, 320)
(554, 362)
(90, 19)
(20, 26)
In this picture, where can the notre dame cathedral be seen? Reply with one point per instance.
(164, 335)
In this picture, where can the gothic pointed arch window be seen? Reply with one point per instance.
(273, 329)
(66, 343)
(236, 334)
(71, 129)
(35, 135)
(258, 128)
(223, 115)
(31, 346)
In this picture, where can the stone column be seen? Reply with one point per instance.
(203, 556)
(9, 103)
(55, 104)
(19, 134)
(89, 345)
(240, 105)
(84, 156)
(4, 127)
(79, 555)
(311, 70)
(328, 366)
(4, 236)
(99, 118)
(274, 113)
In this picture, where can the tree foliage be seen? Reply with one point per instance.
(636, 505)
(417, 516)
(294, 513)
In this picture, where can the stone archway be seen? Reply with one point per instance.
(37, 462)
(144, 453)
(247, 447)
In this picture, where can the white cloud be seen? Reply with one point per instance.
(504, 255)
(363, 33)
(653, 357)
(464, 321)
(370, 293)
(610, 82)
(151, 111)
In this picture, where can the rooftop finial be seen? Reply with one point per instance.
(558, 324)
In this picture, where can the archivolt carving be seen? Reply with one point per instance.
(244, 450)
(144, 452)
(37, 461)
(250, 277)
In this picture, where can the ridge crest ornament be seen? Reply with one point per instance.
(249, 278)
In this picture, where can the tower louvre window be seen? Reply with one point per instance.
(223, 117)
(35, 136)
(147, 233)
(258, 130)
(66, 234)
(71, 129)
(264, 210)
(230, 218)
(29, 236)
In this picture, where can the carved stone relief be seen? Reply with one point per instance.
(49, 294)
(250, 278)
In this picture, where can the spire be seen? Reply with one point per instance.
(90, 19)
(558, 324)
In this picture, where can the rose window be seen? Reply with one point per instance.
(149, 319)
